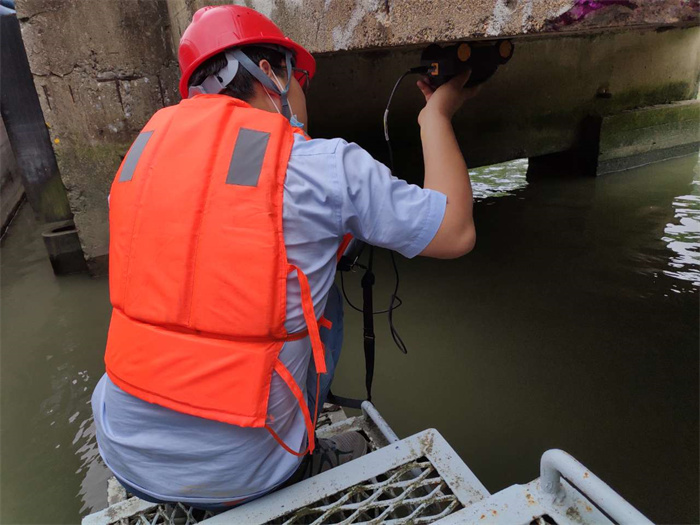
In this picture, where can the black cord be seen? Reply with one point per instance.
(414, 70)
(395, 299)
(350, 303)
(386, 119)
(392, 306)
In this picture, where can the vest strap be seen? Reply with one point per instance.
(319, 354)
(310, 425)
(312, 324)
(322, 323)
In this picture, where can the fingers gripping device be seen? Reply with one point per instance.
(483, 58)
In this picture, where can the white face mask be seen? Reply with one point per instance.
(293, 119)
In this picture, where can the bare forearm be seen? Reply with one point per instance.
(446, 172)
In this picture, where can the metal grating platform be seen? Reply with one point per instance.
(134, 511)
(125, 509)
(415, 480)
(419, 479)
(413, 493)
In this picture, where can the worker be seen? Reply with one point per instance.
(225, 223)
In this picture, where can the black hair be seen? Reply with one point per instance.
(242, 85)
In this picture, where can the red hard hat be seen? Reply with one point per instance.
(216, 28)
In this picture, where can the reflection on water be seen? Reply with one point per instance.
(683, 236)
(498, 180)
(93, 474)
(559, 330)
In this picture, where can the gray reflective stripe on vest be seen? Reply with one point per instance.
(132, 158)
(247, 159)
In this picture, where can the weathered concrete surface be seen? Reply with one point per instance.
(332, 25)
(101, 69)
(11, 189)
(26, 128)
(533, 106)
(633, 138)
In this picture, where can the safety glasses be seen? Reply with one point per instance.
(302, 76)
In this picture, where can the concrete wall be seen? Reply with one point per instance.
(325, 26)
(534, 105)
(11, 189)
(101, 68)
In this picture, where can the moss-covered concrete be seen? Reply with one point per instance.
(89, 200)
(634, 138)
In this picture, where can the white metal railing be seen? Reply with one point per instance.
(419, 479)
(416, 480)
(557, 463)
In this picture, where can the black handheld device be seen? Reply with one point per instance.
(352, 253)
(483, 58)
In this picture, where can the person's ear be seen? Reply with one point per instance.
(266, 68)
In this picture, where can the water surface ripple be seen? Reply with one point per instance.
(573, 324)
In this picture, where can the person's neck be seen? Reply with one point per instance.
(261, 101)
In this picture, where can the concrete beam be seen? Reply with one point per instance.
(325, 26)
(535, 105)
(26, 129)
(635, 138)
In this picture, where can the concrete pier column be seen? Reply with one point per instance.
(29, 138)
(101, 69)
(26, 128)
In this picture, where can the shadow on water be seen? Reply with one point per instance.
(574, 324)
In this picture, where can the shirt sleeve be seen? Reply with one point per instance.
(381, 209)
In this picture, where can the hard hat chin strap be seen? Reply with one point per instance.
(235, 58)
(260, 75)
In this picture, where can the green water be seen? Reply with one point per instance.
(574, 324)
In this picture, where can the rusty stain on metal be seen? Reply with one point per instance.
(573, 514)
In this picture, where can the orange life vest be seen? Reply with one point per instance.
(198, 266)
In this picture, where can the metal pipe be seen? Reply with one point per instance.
(383, 426)
(556, 463)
